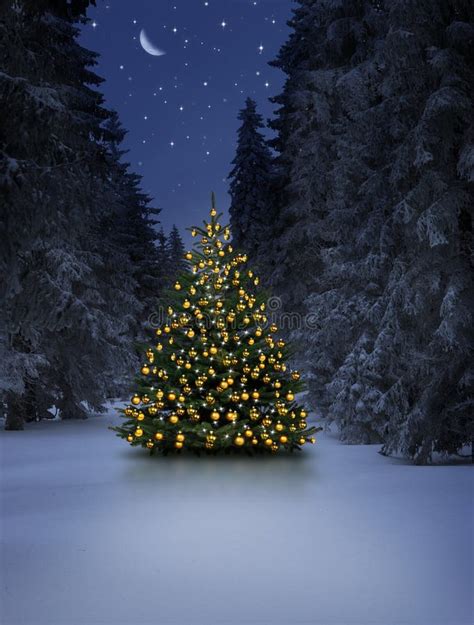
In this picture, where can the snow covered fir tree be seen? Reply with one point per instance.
(80, 271)
(217, 378)
(251, 184)
(371, 217)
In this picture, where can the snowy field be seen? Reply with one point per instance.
(95, 532)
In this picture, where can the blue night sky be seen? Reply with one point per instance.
(180, 109)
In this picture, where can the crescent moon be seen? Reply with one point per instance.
(148, 46)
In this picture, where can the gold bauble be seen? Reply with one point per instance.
(303, 414)
(295, 375)
(254, 441)
(248, 433)
(149, 444)
(292, 428)
(178, 444)
(140, 416)
(223, 384)
(239, 441)
(145, 370)
(186, 303)
(230, 381)
(255, 394)
(231, 415)
(190, 333)
(135, 400)
(283, 439)
(302, 441)
(129, 438)
(268, 442)
(180, 437)
(159, 436)
(215, 416)
(171, 396)
(173, 419)
(244, 396)
(254, 414)
(279, 427)
(138, 432)
(188, 256)
(177, 286)
(302, 425)
(290, 396)
(213, 350)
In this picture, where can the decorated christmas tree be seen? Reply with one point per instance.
(216, 378)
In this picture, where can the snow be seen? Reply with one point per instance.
(95, 532)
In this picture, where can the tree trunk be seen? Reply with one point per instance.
(14, 419)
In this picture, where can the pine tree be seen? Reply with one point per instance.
(133, 223)
(251, 185)
(174, 254)
(217, 377)
(62, 295)
(429, 83)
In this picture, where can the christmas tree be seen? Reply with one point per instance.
(216, 379)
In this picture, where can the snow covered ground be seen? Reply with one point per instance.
(95, 532)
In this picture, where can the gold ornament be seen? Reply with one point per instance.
(290, 396)
(248, 433)
(173, 419)
(145, 370)
(283, 439)
(239, 441)
(295, 375)
(178, 444)
(231, 415)
(177, 286)
(129, 438)
(159, 436)
(180, 437)
(268, 442)
(215, 416)
(135, 400)
(138, 432)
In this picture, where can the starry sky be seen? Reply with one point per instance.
(180, 108)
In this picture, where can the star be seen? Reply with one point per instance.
(223, 24)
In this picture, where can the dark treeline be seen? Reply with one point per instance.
(363, 217)
(81, 260)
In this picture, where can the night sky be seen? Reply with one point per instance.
(180, 108)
